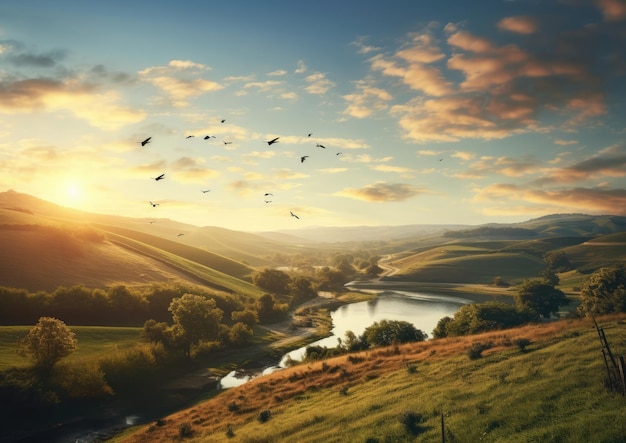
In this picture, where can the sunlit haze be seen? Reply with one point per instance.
(386, 113)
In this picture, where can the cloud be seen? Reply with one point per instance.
(100, 108)
(403, 171)
(187, 169)
(332, 170)
(519, 24)
(586, 200)
(428, 152)
(366, 158)
(180, 80)
(613, 10)
(318, 84)
(381, 192)
(288, 174)
(263, 86)
(506, 166)
(607, 164)
(366, 100)
(300, 67)
(469, 86)
(362, 47)
(565, 142)
(464, 155)
(277, 73)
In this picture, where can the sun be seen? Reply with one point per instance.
(72, 193)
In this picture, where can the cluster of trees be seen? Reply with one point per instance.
(383, 333)
(535, 299)
(604, 292)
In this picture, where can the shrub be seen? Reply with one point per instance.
(521, 343)
(475, 351)
(264, 415)
(411, 421)
(185, 430)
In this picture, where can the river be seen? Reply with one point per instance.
(423, 310)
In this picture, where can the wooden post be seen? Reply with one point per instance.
(443, 433)
(622, 373)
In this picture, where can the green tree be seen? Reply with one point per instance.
(475, 318)
(540, 296)
(195, 318)
(302, 289)
(47, 342)
(240, 333)
(273, 280)
(558, 261)
(247, 316)
(387, 332)
(604, 292)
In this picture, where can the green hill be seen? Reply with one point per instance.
(553, 392)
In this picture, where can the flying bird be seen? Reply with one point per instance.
(189, 136)
(204, 192)
(302, 159)
(227, 143)
(274, 140)
(160, 177)
(223, 120)
(309, 135)
(339, 153)
(320, 146)
(294, 215)
(154, 205)
(268, 201)
(180, 235)
(145, 142)
(206, 137)
(269, 193)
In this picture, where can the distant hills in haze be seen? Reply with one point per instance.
(45, 245)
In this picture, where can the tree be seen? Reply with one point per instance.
(475, 318)
(388, 332)
(240, 333)
(558, 261)
(604, 292)
(541, 297)
(302, 289)
(195, 318)
(47, 342)
(273, 280)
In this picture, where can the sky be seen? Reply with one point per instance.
(385, 112)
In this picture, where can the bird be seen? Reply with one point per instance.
(204, 192)
(268, 201)
(145, 142)
(303, 158)
(320, 146)
(274, 140)
(206, 137)
(294, 215)
(180, 235)
(223, 120)
(310, 134)
(339, 153)
(227, 143)
(269, 193)
(154, 205)
(189, 136)
(160, 177)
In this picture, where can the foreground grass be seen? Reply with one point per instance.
(552, 392)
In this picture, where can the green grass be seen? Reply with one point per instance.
(554, 392)
(93, 341)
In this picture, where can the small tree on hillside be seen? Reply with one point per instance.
(388, 332)
(604, 292)
(541, 297)
(47, 343)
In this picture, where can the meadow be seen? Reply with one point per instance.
(552, 391)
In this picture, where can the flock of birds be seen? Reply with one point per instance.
(267, 195)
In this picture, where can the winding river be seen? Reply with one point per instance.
(421, 309)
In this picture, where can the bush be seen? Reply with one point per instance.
(476, 350)
(185, 430)
(264, 415)
(521, 343)
(411, 421)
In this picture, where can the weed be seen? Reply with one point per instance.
(411, 421)
(475, 351)
(521, 343)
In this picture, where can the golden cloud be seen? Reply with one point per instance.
(381, 192)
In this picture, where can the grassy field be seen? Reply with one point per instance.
(552, 392)
(93, 341)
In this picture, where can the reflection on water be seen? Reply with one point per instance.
(234, 379)
(421, 310)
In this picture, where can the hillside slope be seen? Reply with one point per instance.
(554, 391)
